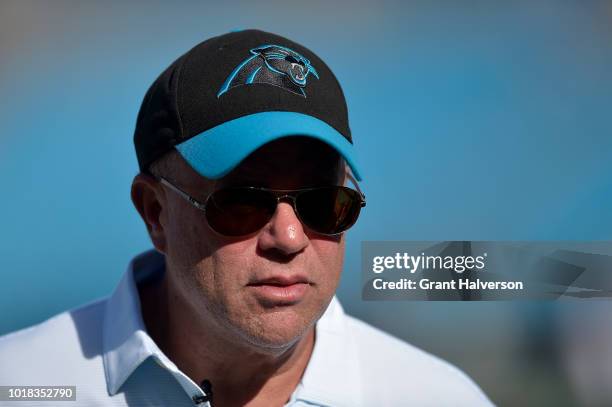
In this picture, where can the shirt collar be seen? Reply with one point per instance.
(125, 341)
(126, 344)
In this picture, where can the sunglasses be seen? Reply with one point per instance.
(240, 211)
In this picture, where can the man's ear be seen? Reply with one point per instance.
(148, 199)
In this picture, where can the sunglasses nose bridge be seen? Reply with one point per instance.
(286, 197)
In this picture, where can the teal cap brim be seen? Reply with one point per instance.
(217, 151)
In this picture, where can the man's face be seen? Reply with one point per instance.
(220, 276)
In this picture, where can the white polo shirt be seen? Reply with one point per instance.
(104, 350)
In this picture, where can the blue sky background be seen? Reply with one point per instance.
(472, 121)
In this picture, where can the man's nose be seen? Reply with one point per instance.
(284, 232)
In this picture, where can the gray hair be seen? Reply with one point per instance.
(166, 165)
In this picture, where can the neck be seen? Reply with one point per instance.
(241, 373)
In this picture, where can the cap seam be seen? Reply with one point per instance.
(179, 94)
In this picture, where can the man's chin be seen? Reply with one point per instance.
(278, 329)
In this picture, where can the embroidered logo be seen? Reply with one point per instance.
(274, 65)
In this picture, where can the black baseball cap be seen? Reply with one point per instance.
(231, 94)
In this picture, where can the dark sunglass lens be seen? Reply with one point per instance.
(329, 210)
(239, 211)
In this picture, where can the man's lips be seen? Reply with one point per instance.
(281, 280)
(281, 289)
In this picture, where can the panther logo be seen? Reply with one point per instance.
(274, 65)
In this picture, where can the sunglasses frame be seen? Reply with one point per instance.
(279, 194)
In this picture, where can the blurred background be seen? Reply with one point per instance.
(473, 121)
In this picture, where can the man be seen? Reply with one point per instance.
(244, 149)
